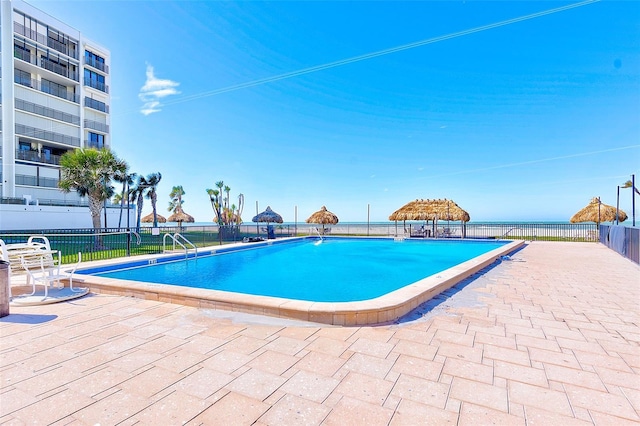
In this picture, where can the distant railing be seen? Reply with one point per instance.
(117, 242)
(54, 202)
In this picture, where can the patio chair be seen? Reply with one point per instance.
(46, 270)
(418, 232)
(448, 232)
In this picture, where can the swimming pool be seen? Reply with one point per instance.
(337, 270)
(285, 277)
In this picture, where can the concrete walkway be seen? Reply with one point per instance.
(550, 337)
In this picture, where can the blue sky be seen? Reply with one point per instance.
(525, 120)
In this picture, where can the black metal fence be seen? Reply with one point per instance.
(118, 242)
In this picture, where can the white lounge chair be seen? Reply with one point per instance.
(46, 270)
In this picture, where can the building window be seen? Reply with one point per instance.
(96, 140)
(25, 146)
(22, 51)
(94, 80)
(53, 88)
(94, 60)
(23, 78)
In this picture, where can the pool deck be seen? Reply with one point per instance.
(549, 337)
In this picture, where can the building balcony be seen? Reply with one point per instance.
(98, 85)
(94, 125)
(70, 48)
(59, 69)
(32, 132)
(37, 157)
(35, 84)
(96, 145)
(47, 112)
(45, 63)
(97, 105)
(101, 66)
(36, 181)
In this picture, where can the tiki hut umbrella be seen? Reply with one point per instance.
(149, 218)
(427, 210)
(267, 216)
(598, 212)
(413, 210)
(180, 216)
(323, 217)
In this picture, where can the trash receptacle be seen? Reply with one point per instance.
(4, 288)
(271, 233)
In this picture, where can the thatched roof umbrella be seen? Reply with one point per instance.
(267, 216)
(598, 212)
(180, 216)
(149, 218)
(434, 210)
(323, 217)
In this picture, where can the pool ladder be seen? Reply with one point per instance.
(176, 240)
(514, 229)
(319, 235)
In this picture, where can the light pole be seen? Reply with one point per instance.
(368, 213)
(618, 207)
(632, 184)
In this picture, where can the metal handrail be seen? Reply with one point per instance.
(512, 229)
(315, 228)
(138, 237)
(175, 237)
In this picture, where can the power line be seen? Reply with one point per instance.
(376, 54)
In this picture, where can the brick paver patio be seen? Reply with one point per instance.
(551, 337)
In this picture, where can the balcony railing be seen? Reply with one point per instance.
(47, 135)
(93, 144)
(35, 84)
(96, 85)
(37, 157)
(25, 56)
(36, 181)
(45, 63)
(97, 65)
(101, 127)
(97, 105)
(70, 49)
(47, 112)
(59, 69)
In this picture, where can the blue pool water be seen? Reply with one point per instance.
(337, 270)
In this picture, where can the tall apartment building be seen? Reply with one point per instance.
(55, 98)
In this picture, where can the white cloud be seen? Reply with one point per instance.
(154, 90)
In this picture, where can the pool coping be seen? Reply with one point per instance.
(380, 310)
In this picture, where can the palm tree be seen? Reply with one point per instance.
(152, 182)
(136, 195)
(629, 184)
(227, 190)
(226, 214)
(176, 198)
(126, 179)
(215, 196)
(117, 198)
(89, 172)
